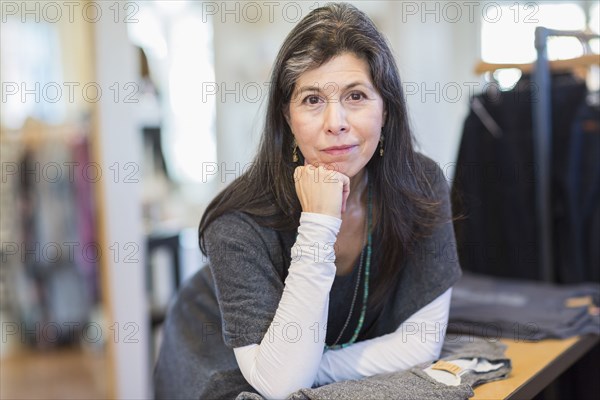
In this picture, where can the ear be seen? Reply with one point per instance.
(384, 118)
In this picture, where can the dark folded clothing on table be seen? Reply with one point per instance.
(523, 310)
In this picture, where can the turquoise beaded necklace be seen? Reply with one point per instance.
(363, 310)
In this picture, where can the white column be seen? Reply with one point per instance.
(119, 154)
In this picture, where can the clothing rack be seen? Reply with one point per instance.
(542, 126)
(583, 61)
(542, 137)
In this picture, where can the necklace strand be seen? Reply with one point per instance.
(360, 264)
(363, 310)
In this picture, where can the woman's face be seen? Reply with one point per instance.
(336, 114)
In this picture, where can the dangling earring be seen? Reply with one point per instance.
(294, 152)
(381, 145)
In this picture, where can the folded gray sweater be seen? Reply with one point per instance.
(522, 310)
(416, 383)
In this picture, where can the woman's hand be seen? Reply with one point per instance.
(321, 190)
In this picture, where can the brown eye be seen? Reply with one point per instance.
(356, 96)
(311, 99)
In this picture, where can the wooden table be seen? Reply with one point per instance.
(535, 366)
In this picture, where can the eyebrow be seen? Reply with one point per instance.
(318, 88)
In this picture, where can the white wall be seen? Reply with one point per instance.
(244, 53)
(436, 60)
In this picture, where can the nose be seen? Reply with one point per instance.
(335, 118)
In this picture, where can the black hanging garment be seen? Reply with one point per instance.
(494, 184)
(577, 190)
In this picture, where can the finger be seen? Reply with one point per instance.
(297, 174)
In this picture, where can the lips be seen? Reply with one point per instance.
(338, 150)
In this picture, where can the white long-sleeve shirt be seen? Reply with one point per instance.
(290, 356)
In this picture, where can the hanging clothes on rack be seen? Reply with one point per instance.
(493, 188)
(578, 186)
(56, 269)
(85, 208)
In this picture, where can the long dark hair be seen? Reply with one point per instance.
(404, 200)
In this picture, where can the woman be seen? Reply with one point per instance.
(333, 257)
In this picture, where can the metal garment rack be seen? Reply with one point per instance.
(542, 137)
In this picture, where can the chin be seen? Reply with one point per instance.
(341, 167)
(349, 171)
